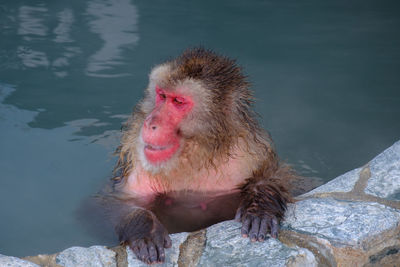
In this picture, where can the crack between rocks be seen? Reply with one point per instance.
(357, 194)
(355, 198)
(362, 181)
(323, 252)
(292, 238)
(121, 259)
(45, 260)
(316, 234)
(192, 248)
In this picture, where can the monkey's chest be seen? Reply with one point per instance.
(193, 211)
(229, 176)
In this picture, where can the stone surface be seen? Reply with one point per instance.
(346, 233)
(343, 223)
(171, 254)
(92, 256)
(385, 174)
(226, 247)
(15, 262)
(43, 260)
(343, 183)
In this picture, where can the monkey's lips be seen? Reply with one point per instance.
(157, 148)
(156, 154)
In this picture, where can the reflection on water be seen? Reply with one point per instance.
(325, 76)
(32, 21)
(63, 30)
(63, 35)
(116, 24)
(31, 58)
(57, 46)
(32, 25)
(47, 171)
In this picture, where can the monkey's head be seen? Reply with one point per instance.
(199, 100)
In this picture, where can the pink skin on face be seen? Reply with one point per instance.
(160, 128)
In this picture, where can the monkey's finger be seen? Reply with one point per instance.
(143, 251)
(167, 241)
(159, 242)
(161, 253)
(274, 227)
(246, 226)
(255, 226)
(238, 215)
(263, 229)
(135, 249)
(153, 255)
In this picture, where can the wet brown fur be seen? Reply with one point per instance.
(229, 120)
(227, 125)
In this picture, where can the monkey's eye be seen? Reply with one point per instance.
(161, 95)
(179, 101)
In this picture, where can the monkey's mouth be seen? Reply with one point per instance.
(156, 148)
(156, 154)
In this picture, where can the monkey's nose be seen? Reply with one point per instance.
(153, 127)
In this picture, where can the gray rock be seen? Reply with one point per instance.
(342, 223)
(385, 174)
(343, 183)
(226, 247)
(92, 256)
(171, 254)
(15, 262)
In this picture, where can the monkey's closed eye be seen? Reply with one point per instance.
(160, 95)
(179, 102)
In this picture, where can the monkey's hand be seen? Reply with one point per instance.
(262, 207)
(145, 235)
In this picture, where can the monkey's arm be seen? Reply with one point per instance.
(144, 234)
(137, 227)
(264, 198)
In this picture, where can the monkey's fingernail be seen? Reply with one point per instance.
(261, 238)
(244, 235)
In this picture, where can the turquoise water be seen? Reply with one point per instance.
(326, 75)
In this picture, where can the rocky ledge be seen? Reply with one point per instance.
(353, 220)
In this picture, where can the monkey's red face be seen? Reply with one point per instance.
(160, 132)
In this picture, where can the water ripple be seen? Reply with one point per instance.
(116, 24)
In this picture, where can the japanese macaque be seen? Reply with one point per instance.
(192, 155)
